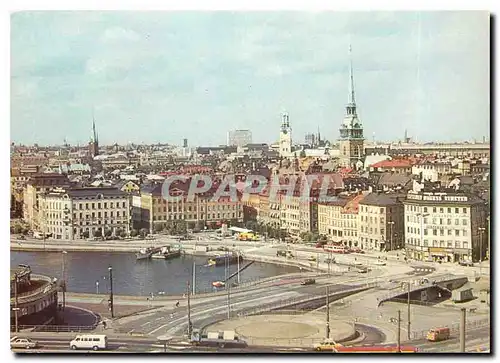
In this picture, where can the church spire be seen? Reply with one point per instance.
(352, 98)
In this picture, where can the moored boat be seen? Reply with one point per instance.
(220, 260)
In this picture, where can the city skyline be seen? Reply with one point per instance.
(241, 70)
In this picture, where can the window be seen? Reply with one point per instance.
(441, 243)
(425, 243)
(457, 244)
(464, 222)
(441, 210)
(449, 210)
(464, 210)
(449, 232)
(457, 232)
(449, 221)
(434, 210)
(441, 232)
(425, 220)
(457, 222)
(98, 205)
(465, 233)
(105, 205)
(93, 205)
(466, 245)
(450, 244)
(440, 220)
(434, 232)
(456, 210)
(425, 209)
(425, 232)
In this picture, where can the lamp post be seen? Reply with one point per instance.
(97, 287)
(481, 233)
(63, 274)
(16, 302)
(111, 308)
(391, 223)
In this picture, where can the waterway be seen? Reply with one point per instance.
(87, 272)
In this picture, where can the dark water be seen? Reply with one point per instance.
(131, 277)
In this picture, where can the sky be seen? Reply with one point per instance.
(163, 76)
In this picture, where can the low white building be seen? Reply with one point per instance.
(80, 212)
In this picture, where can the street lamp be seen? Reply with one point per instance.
(481, 232)
(391, 223)
(110, 301)
(63, 274)
(97, 287)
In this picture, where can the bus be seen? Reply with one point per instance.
(336, 248)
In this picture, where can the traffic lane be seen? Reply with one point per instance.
(455, 338)
(162, 316)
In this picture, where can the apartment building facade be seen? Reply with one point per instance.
(445, 226)
(35, 186)
(80, 213)
(381, 221)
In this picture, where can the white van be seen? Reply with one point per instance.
(94, 342)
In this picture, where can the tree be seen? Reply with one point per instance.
(180, 228)
(303, 154)
(98, 233)
(85, 234)
(122, 234)
(108, 232)
(134, 233)
(143, 232)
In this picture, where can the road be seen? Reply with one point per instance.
(477, 338)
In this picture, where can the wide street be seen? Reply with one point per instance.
(209, 308)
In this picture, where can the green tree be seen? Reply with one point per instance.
(98, 233)
(108, 232)
(85, 234)
(134, 233)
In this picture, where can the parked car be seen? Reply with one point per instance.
(329, 260)
(362, 270)
(320, 244)
(312, 259)
(465, 263)
(357, 250)
(308, 282)
(380, 263)
(21, 237)
(22, 343)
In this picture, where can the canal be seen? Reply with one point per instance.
(87, 272)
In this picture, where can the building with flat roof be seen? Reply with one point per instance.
(239, 138)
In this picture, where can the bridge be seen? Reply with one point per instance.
(427, 287)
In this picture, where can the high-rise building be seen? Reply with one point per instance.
(285, 146)
(351, 141)
(184, 142)
(239, 137)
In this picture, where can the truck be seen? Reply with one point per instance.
(462, 295)
(220, 339)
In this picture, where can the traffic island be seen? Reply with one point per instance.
(286, 330)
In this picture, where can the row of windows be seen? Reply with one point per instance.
(99, 204)
(435, 232)
(436, 243)
(194, 216)
(189, 208)
(414, 208)
(372, 230)
(440, 221)
(372, 209)
(100, 215)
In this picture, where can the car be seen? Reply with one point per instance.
(24, 343)
(465, 263)
(320, 244)
(380, 263)
(21, 237)
(308, 282)
(329, 260)
(312, 259)
(357, 250)
(362, 270)
(326, 345)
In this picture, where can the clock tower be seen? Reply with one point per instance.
(285, 146)
(351, 141)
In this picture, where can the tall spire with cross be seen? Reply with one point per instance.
(352, 98)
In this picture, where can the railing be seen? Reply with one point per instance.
(56, 328)
(454, 328)
(40, 290)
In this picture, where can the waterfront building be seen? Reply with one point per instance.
(446, 226)
(239, 138)
(78, 213)
(470, 150)
(37, 185)
(36, 297)
(381, 221)
(153, 212)
(351, 131)
(339, 219)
